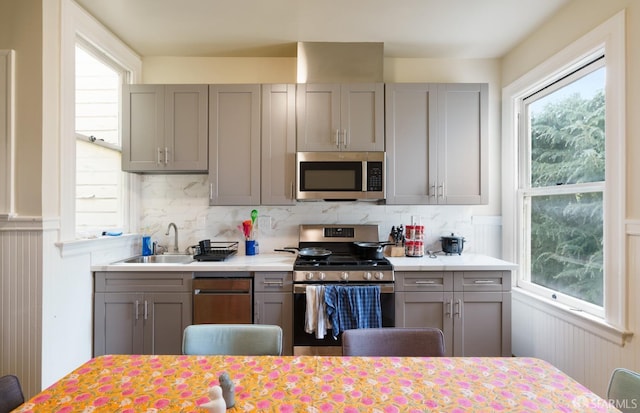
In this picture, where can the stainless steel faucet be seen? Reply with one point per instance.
(175, 230)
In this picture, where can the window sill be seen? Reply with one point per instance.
(575, 317)
(88, 245)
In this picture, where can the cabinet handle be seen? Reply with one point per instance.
(441, 190)
(458, 311)
(159, 160)
(146, 310)
(166, 155)
(276, 283)
(433, 190)
(484, 282)
(136, 304)
(211, 191)
(425, 282)
(345, 139)
(449, 308)
(338, 138)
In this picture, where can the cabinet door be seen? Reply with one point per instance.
(186, 124)
(362, 117)
(462, 176)
(410, 132)
(119, 323)
(143, 128)
(165, 315)
(276, 309)
(278, 144)
(482, 324)
(427, 309)
(318, 117)
(234, 144)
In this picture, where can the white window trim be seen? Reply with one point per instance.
(77, 23)
(610, 37)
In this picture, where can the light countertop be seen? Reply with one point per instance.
(283, 261)
(464, 262)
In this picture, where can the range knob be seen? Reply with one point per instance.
(309, 276)
(321, 276)
(379, 275)
(344, 276)
(366, 275)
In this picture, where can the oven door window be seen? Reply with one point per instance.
(331, 176)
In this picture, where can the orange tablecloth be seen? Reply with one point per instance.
(318, 384)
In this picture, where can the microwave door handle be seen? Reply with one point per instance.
(364, 176)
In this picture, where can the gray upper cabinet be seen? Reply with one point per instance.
(278, 144)
(234, 144)
(164, 128)
(340, 117)
(436, 140)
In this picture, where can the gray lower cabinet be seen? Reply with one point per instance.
(472, 308)
(273, 304)
(141, 312)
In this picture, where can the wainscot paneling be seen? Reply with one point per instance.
(20, 303)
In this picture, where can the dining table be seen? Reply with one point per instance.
(182, 383)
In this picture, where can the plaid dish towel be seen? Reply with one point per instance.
(350, 307)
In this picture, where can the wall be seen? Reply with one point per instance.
(21, 238)
(184, 199)
(21, 30)
(587, 357)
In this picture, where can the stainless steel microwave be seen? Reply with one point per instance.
(340, 176)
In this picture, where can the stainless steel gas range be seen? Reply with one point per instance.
(333, 259)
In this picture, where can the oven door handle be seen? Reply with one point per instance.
(384, 288)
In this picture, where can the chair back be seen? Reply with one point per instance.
(624, 390)
(10, 393)
(232, 339)
(388, 342)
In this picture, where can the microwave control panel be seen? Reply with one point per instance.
(374, 176)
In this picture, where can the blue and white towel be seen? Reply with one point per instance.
(350, 307)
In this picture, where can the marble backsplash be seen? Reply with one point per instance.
(183, 200)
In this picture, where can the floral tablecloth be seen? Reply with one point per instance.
(121, 383)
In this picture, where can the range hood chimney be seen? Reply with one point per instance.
(330, 62)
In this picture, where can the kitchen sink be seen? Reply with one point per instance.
(160, 259)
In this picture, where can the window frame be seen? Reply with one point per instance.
(608, 39)
(79, 26)
(526, 192)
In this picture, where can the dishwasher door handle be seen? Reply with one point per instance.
(199, 291)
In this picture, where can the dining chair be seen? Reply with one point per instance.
(624, 390)
(232, 339)
(11, 395)
(400, 342)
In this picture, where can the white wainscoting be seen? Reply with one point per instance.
(587, 357)
(20, 303)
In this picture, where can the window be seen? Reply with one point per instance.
(562, 187)
(100, 184)
(563, 182)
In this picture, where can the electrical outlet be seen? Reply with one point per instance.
(264, 223)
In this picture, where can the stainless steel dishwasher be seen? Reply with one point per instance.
(223, 298)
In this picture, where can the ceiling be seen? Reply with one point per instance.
(270, 28)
